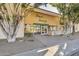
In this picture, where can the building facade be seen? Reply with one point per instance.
(42, 21)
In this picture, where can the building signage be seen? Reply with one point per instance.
(42, 20)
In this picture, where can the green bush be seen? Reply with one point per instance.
(28, 34)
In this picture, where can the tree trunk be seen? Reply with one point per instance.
(73, 28)
(12, 35)
(11, 39)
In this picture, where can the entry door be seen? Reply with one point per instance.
(44, 30)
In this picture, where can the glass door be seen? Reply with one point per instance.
(44, 30)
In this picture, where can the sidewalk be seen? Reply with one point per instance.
(64, 49)
(36, 42)
(19, 46)
(67, 46)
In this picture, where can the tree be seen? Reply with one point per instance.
(10, 18)
(11, 15)
(73, 15)
(62, 8)
(69, 13)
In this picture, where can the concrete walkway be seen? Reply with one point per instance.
(67, 46)
(19, 46)
(52, 40)
(36, 42)
(64, 49)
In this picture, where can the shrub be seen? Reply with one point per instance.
(28, 34)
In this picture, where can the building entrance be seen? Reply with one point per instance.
(44, 30)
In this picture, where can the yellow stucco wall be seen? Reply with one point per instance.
(32, 18)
